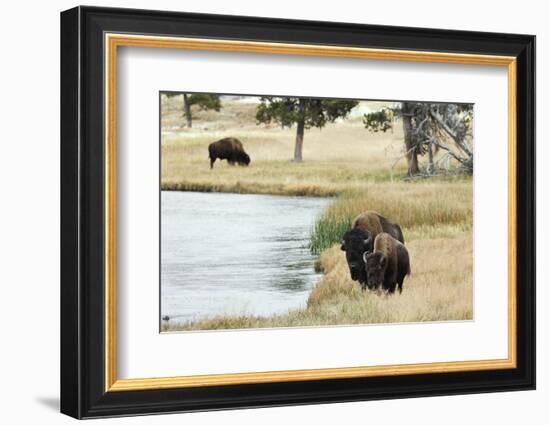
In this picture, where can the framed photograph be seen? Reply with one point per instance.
(261, 212)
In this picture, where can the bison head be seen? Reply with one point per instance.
(355, 243)
(244, 159)
(375, 268)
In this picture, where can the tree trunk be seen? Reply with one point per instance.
(411, 153)
(430, 158)
(300, 131)
(299, 141)
(187, 111)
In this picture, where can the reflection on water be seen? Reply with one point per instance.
(232, 254)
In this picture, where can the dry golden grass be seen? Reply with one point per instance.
(431, 202)
(439, 287)
(427, 209)
(325, 169)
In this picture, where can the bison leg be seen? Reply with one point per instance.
(390, 285)
(212, 160)
(232, 163)
(400, 280)
(400, 285)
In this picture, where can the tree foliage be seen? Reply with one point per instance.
(202, 101)
(304, 112)
(379, 121)
(429, 127)
(287, 111)
(205, 101)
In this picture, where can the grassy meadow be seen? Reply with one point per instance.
(335, 157)
(362, 171)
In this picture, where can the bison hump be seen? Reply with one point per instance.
(368, 221)
(386, 244)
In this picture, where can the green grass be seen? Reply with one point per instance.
(327, 231)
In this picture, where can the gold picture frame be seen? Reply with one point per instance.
(114, 41)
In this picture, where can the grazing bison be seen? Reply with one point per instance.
(387, 265)
(229, 148)
(359, 240)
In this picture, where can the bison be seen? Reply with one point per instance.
(229, 148)
(359, 240)
(375, 223)
(387, 265)
(355, 243)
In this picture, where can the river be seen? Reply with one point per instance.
(234, 254)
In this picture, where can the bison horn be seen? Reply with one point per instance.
(365, 254)
(367, 241)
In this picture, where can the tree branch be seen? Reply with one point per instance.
(451, 133)
(463, 161)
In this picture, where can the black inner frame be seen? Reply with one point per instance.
(82, 212)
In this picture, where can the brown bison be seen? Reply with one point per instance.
(375, 223)
(387, 265)
(359, 240)
(229, 148)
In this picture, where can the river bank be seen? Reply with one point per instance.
(436, 218)
(434, 292)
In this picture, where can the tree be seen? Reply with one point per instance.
(304, 112)
(203, 101)
(428, 127)
(411, 150)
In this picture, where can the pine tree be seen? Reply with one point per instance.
(304, 112)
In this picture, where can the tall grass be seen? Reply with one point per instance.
(327, 231)
(437, 208)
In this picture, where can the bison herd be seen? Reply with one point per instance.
(376, 253)
(375, 247)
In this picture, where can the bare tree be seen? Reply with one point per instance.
(427, 128)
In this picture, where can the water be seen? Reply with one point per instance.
(232, 254)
